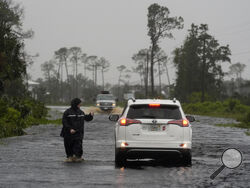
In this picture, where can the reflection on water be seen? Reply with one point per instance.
(120, 177)
(154, 171)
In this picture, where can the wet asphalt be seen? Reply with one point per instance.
(36, 159)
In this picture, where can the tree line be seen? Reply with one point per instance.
(82, 75)
(75, 64)
(198, 63)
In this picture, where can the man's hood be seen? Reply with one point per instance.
(75, 102)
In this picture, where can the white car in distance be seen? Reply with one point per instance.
(153, 129)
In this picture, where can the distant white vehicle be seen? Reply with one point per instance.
(105, 101)
(152, 129)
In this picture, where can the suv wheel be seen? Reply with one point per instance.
(187, 158)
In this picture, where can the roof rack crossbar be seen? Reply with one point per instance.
(133, 99)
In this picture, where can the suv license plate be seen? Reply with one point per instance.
(155, 127)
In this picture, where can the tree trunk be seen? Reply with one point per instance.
(76, 79)
(168, 80)
(119, 80)
(152, 71)
(85, 74)
(66, 67)
(159, 70)
(61, 81)
(146, 83)
(203, 73)
(102, 80)
(95, 74)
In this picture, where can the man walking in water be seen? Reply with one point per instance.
(73, 130)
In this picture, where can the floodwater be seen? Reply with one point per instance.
(36, 159)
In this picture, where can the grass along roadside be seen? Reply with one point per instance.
(237, 125)
(230, 108)
(248, 133)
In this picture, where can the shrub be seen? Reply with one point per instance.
(12, 123)
(17, 114)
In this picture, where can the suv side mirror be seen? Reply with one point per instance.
(190, 118)
(114, 117)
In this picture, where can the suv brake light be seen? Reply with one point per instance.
(154, 105)
(181, 122)
(126, 122)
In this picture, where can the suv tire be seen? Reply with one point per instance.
(187, 158)
(120, 159)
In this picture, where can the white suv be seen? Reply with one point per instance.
(153, 129)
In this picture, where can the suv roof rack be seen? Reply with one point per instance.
(133, 99)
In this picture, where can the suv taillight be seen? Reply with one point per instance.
(181, 122)
(126, 122)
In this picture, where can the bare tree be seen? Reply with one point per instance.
(142, 59)
(62, 55)
(160, 57)
(165, 65)
(237, 69)
(121, 69)
(92, 64)
(84, 58)
(48, 68)
(104, 64)
(76, 54)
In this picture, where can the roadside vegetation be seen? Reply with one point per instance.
(230, 108)
(18, 114)
(18, 110)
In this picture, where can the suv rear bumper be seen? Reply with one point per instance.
(154, 153)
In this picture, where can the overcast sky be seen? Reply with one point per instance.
(116, 29)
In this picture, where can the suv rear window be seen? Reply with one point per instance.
(146, 112)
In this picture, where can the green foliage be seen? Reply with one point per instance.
(17, 114)
(12, 64)
(196, 97)
(11, 123)
(230, 108)
(198, 64)
(238, 125)
(247, 133)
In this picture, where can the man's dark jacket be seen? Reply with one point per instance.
(73, 118)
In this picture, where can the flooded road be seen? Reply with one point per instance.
(36, 159)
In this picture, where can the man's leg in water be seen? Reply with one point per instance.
(77, 148)
(68, 144)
